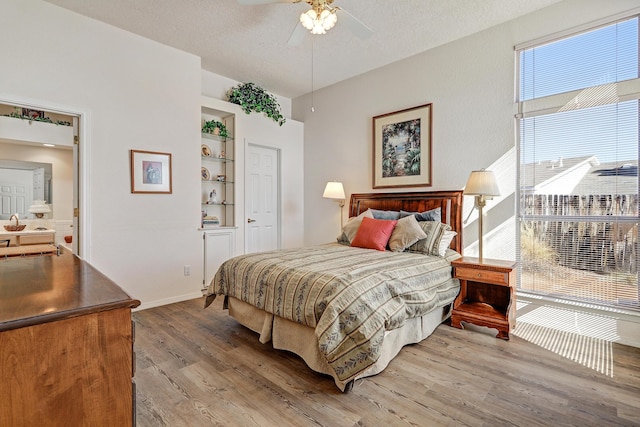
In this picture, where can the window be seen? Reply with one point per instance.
(578, 173)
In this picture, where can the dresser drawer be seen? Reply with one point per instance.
(486, 276)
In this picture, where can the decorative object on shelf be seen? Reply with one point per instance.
(39, 208)
(215, 127)
(221, 178)
(68, 239)
(252, 97)
(334, 190)
(484, 186)
(35, 116)
(402, 148)
(150, 172)
(209, 220)
(222, 154)
(205, 174)
(213, 198)
(206, 151)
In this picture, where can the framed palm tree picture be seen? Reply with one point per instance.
(402, 148)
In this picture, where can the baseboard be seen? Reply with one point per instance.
(166, 301)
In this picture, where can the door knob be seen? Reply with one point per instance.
(249, 220)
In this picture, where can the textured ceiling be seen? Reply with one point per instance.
(249, 43)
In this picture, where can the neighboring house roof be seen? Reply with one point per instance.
(536, 175)
(619, 177)
(580, 176)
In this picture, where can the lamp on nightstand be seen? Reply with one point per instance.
(484, 186)
(334, 190)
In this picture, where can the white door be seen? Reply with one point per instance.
(15, 197)
(262, 232)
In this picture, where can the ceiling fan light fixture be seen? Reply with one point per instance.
(319, 23)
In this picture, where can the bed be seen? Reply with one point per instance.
(348, 311)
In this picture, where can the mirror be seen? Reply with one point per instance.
(34, 176)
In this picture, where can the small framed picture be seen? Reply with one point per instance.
(150, 172)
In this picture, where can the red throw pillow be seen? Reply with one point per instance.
(374, 233)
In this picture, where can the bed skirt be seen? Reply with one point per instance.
(301, 339)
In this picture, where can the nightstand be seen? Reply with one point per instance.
(487, 294)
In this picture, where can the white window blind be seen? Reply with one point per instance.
(578, 144)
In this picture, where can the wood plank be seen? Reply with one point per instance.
(199, 367)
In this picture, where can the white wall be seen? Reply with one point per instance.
(133, 94)
(258, 129)
(470, 83)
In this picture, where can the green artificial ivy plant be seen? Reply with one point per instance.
(17, 114)
(252, 97)
(211, 126)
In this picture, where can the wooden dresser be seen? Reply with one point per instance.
(66, 345)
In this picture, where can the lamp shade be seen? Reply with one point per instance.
(482, 183)
(39, 207)
(333, 190)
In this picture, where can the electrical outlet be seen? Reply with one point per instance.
(187, 270)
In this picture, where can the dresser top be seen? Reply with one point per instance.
(41, 289)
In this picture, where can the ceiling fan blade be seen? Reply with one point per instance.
(254, 2)
(297, 35)
(353, 24)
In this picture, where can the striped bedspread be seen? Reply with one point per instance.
(350, 296)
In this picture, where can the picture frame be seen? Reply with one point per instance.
(150, 172)
(402, 148)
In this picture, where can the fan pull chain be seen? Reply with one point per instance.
(313, 110)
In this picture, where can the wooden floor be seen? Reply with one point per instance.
(199, 367)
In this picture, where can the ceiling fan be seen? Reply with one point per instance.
(319, 19)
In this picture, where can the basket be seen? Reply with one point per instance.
(15, 227)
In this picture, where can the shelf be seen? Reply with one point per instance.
(217, 155)
(482, 310)
(217, 159)
(217, 137)
(216, 181)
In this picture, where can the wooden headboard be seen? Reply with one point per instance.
(449, 201)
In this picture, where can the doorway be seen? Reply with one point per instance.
(262, 199)
(31, 134)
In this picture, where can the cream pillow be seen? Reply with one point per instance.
(447, 237)
(351, 227)
(406, 233)
(431, 244)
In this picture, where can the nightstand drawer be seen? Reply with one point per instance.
(495, 277)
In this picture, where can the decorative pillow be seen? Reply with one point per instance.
(430, 215)
(406, 233)
(447, 237)
(351, 227)
(374, 233)
(378, 214)
(431, 244)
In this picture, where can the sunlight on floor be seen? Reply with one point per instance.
(584, 338)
